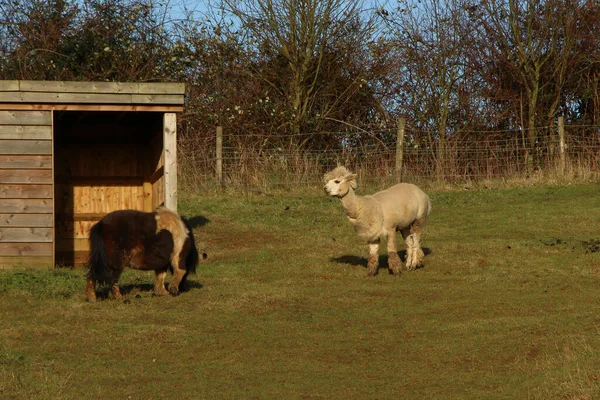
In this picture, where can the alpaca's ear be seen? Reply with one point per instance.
(351, 179)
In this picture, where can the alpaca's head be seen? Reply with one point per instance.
(339, 181)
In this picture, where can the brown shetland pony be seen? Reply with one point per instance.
(157, 241)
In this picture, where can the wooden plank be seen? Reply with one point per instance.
(76, 259)
(157, 99)
(27, 220)
(8, 86)
(158, 193)
(162, 88)
(96, 98)
(93, 107)
(26, 249)
(25, 162)
(25, 118)
(80, 216)
(25, 132)
(26, 206)
(100, 87)
(25, 235)
(25, 147)
(26, 192)
(72, 244)
(170, 154)
(26, 262)
(31, 176)
(157, 174)
(147, 196)
(101, 180)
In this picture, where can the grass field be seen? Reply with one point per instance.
(506, 307)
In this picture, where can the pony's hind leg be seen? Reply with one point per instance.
(90, 290)
(179, 268)
(115, 291)
(159, 283)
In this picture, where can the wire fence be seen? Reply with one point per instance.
(262, 162)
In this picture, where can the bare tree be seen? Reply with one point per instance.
(530, 44)
(432, 37)
(300, 34)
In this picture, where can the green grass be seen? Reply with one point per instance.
(506, 307)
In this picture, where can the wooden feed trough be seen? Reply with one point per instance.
(70, 152)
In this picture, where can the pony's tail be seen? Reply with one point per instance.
(98, 261)
(192, 259)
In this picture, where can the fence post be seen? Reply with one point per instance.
(400, 148)
(561, 144)
(219, 167)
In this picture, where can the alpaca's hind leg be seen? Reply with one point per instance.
(393, 258)
(417, 231)
(408, 239)
(373, 262)
(159, 283)
(90, 290)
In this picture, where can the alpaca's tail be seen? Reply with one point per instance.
(98, 262)
(428, 205)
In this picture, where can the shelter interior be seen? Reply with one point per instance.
(103, 161)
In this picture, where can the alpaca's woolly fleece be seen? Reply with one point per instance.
(402, 207)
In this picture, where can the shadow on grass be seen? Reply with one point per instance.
(197, 222)
(143, 288)
(357, 261)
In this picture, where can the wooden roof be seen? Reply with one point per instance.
(101, 96)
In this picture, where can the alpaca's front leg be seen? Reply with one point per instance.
(393, 258)
(373, 262)
(408, 239)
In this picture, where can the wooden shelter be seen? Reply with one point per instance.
(70, 152)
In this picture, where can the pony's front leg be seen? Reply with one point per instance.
(373, 261)
(90, 290)
(393, 258)
(159, 283)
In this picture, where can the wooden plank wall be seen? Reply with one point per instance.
(57, 92)
(26, 195)
(91, 181)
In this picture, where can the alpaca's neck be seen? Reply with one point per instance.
(351, 203)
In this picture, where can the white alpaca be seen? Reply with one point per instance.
(402, 207)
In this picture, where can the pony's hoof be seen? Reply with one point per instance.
(174, 290)
(90, 299)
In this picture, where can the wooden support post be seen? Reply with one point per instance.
(561, 144)
(400, 149)
(170, 153)
(219, 167)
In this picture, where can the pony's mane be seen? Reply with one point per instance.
(339, 172)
